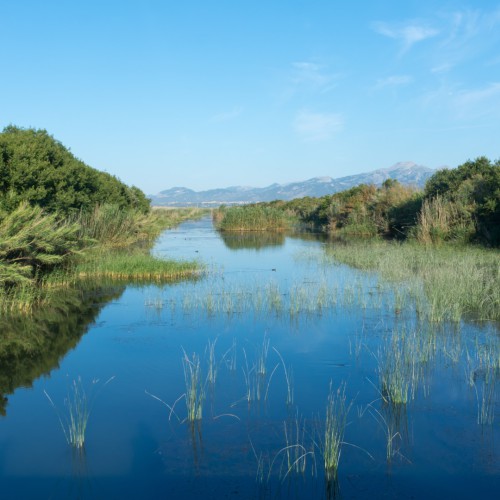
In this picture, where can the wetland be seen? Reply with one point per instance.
(294, 366)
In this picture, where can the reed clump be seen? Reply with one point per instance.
(251, 218)
(195, 391)
(78, 405)
(337, 411)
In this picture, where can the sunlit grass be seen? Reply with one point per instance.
(446, 283)
(132, 266)
(195, 391)
(78, 408)
(337, 410)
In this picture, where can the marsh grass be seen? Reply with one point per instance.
(447, 283)
(288, 372)
(78, 405)
(256, 384)
(391, 434)
(211, 361)
(263, 351)
(251, 218)
(337, 411)
(486, 401)
(131, 266)
(112, 227)
(195, 391)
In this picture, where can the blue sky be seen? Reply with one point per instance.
(214, 93)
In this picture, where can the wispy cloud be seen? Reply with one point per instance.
(313, 126)
(393, 81)
(407, 34)
(477, 97)
(311, 75)
(465, 103)
(467, 35)
(226, 116)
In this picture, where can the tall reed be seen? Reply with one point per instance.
(79, 406)
(195, 392)
(337, 411)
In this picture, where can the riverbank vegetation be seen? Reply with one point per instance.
(252, 218)
(458, 205)
(61, 221)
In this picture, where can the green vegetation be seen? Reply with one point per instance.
(135, 266)
(37, 169)
(443, 282)
(61, 221)
(459, 205)
(336, 420)
(79, 406)
(251, 218)
(195, 391)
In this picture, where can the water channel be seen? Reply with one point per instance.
(275, 328)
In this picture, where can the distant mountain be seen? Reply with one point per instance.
(408, 173)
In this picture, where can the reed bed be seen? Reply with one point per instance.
(251, 218)
(132, 266)
(447, 283)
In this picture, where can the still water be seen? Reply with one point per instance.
(275, 327)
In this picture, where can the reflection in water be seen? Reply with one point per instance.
(32, 345)
(236, 240)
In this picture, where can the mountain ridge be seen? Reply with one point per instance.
(407, 172)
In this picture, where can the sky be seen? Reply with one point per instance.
(218, 93)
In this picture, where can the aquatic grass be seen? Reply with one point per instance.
(255, 382)
(390, 433)
(251, 218)
(288, 378)
(337, 411)
(485, 402)
(395, 372)
(262, 356)
(132, 266)
(211, 362)
(230, 357)
(273, 297)
(297, 453)
(195, 392)
(449, 282)
(79, 406)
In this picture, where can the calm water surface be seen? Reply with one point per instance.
(321, 324)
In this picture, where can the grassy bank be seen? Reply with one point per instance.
(39, 251)
(447, 282)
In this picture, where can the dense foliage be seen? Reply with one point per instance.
(36, 168)
(468, 198)
(461, 204)
(57, 213)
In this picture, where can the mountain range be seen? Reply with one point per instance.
(408, 173)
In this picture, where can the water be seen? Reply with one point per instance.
(324, 324)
